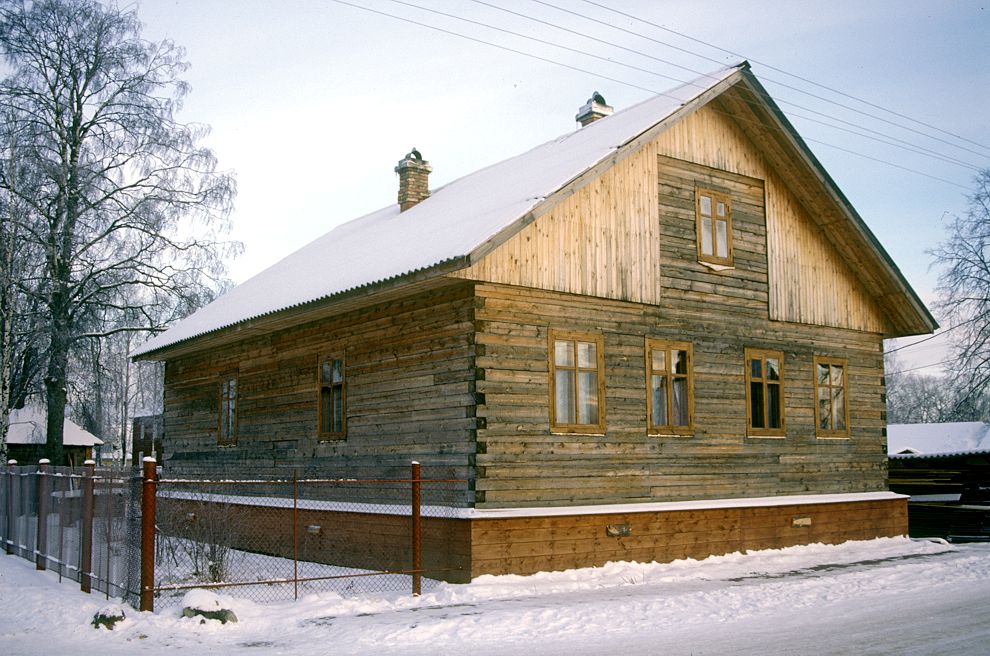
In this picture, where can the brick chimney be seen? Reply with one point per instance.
(414, 179)
(593, 110)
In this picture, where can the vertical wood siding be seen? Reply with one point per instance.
(604, 241)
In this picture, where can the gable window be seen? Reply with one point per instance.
(332, 397)
(577, 383)
(832, 407)
(670, 387)
(765, 392)
(227, 431)
(714, 222)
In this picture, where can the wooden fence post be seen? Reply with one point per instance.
(86, 557)
(417, 532)
(9, 534)
(41, 543)
(148, 491)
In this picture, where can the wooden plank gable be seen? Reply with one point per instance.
(608, 238)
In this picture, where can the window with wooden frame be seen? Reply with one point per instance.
(764, 393)
(333, 397)
(832, 405)
(577, 383)
(670, 387)
(714, 223)
(227, 423)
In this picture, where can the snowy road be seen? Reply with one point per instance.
(893, 596)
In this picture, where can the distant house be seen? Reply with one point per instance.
(26, 435)
(940, 462)
(945, 468)
(657, 336)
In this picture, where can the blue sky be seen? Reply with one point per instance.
(312, 102)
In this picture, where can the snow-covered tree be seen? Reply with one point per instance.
(964, 290)
(124, 206)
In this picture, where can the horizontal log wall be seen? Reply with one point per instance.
(410, 394)
(522, 463)
(535, 544)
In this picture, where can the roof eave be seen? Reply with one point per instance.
(922, 322)
(370, 290)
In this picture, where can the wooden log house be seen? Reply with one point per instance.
(656, 337)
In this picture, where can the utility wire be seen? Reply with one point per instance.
(706, 74)
(586, 71)
(774, 68)
(924, 366)
(918, 150)
(496, 45)
(931, 337)
(881, 138)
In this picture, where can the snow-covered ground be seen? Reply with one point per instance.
(888, 596)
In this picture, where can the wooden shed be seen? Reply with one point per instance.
(945, 470)
(658, 336)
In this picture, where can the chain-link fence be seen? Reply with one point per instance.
(270, 540)
(79, 522)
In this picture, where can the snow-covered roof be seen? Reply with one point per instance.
(927, 440)
(27, 426)
(455, 220)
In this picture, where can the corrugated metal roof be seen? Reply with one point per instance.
(450, 224)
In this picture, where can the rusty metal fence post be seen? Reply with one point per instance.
(41, 543)
(295, 534)
(148, 491)
(9, 534)
(86, 530)
(417, 532)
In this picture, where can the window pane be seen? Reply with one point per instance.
(721, 209)
(680, 402)
(325, 410)
(721, 239)
(773, 369)
(823, 374)
(659, 385)
(325, 372)
(338, 371)
(706, 206)
(773, 406)
(756, 368)
(587, 355)
(836, 375)
(563, 353)
(565, 397)
(824, 410)
(839, 409)
(756, 405)
(706, 235)
(588, 397)
(337, 425)
(679, 361)
(659, 360)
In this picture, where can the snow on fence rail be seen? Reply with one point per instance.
(145, 538)
(272, 539)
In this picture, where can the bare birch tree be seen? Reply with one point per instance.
(126, 207)
(964, 290)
